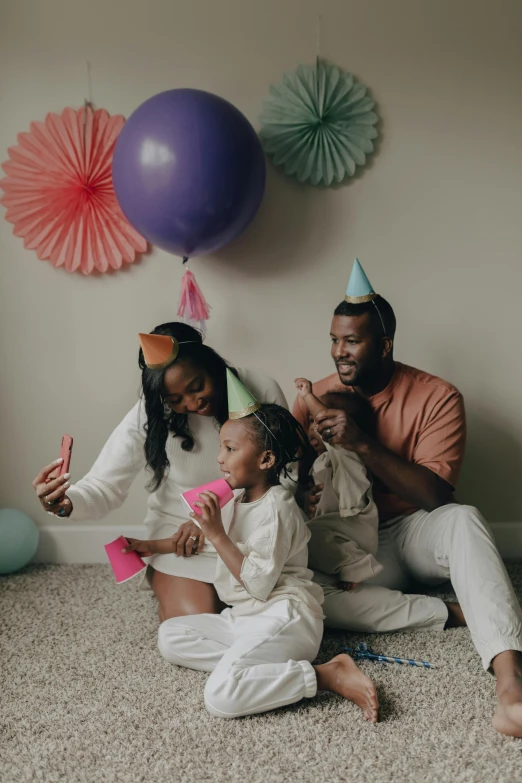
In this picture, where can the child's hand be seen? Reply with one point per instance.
(210, 516)
(348, 586)
(158, 546)
(304, 387)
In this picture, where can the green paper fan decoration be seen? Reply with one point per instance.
(318, 124)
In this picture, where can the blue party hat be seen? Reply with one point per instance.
(359, 287)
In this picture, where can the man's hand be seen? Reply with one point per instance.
(337, 427)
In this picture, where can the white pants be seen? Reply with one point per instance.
(258, 662)
(453, 542)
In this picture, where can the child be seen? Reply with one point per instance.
(345, 526)
(259, 649)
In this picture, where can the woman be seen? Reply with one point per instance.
(173, 431)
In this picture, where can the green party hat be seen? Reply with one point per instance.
(240, 402)
(359, 288)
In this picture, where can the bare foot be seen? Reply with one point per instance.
(508, 715)
(455, 616)
(341, 675)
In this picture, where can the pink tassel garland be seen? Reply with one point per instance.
(193, 308)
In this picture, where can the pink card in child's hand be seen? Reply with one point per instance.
(124, 565)
(218, 487)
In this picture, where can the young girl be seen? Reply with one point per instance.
(344, 531)
(259, 649)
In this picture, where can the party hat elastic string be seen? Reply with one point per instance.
(267, 428)
(380, 316)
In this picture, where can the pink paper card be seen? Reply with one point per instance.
(218, 487)
(124, 565)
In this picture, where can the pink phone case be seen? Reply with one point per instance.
(124, 565)
(65, 454)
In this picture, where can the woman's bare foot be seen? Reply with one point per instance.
(508, 715)
(455, 616)
(341, 675)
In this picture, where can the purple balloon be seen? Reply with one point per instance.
(188, 171)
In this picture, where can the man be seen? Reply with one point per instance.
(424, 536)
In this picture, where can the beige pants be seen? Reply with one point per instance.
(453, 542)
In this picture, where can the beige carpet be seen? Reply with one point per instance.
(85, 696)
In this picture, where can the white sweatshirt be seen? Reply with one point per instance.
(271, 534)
(107, 484)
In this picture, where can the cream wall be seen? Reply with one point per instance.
(435, 218)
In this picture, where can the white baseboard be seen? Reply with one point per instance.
(80, 543)
(84, 543)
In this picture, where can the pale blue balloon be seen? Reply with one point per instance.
(18, 540)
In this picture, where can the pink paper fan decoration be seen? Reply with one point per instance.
(59, 195)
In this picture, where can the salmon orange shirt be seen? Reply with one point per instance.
(418, 416)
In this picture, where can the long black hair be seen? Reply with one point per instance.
(273, 428)
(160, 419)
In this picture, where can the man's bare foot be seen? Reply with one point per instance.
(455, 616)
(508, 715)
(341, 675)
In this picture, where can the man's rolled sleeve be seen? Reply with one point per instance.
(441, 443)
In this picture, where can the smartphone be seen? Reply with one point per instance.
(65, 454)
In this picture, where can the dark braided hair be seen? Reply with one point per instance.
(273, 428)
(160, 419)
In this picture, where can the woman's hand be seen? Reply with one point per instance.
(210, 516)
(189, 540)
(51, 491)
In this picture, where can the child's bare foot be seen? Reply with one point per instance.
(455, 616)
(508, 715)
(341, 675)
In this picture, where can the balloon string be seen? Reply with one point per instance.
(380, 316)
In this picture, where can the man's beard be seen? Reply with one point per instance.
(362, 377)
